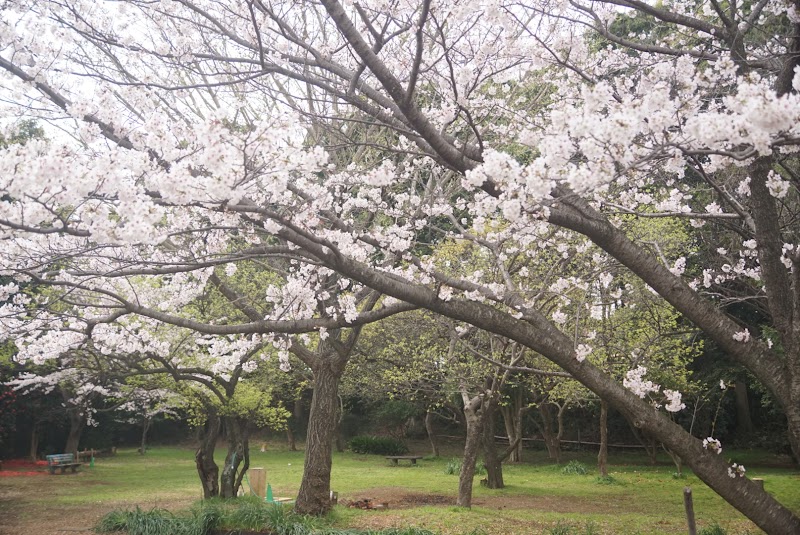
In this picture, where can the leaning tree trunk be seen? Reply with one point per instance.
(602, 456)
(431, 434)
(77, 422)
(472, 445)
(204, 457)
(238, 454)
(313, 497)
(491, 459)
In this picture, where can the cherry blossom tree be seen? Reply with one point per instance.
(202, 134)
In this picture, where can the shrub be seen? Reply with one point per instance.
(377, 445)
(453, 468)
(606, 480)
(574, 468)
(714, 529)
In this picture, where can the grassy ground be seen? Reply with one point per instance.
(538, 497)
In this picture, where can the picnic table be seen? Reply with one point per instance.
(62, 461)
(396, 458)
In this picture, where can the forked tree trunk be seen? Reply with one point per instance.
(602, 456)
(431, 434)
(512, 418)
(238, 455)
(77, 422)
(204, 457)
(550, 432)
(491, 459)
(471, 447)
(313, 497)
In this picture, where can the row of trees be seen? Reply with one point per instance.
(527, 171)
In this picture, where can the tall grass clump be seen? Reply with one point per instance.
(156, 522)
(574, 468)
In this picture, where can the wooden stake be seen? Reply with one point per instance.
(687, 502)
(258, 482)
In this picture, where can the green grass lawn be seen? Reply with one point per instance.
(538, 497)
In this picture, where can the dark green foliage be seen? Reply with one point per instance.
(377, 445)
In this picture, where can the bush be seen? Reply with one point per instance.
(377, 446)
(574, 468)
(453, 468)
(714, 529)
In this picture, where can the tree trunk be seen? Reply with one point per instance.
(238, 454)
(602, 456)
(77, 422)
(290, 441)
(431, 435)
(314, 495)
(744, 424)
(33, 452)
(204, 457)
(491, 459)
(512, 418)
(549, 434)
(146, 421)
(474, 427)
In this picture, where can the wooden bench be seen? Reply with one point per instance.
(62, 461)
(412, 458)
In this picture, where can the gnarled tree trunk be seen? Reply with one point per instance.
(238, 455)
(474, 420)
(204, 456)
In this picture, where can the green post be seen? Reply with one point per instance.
(91, 462)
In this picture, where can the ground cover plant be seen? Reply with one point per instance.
(539, 497)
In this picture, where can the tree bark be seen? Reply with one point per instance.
(512, 418)
(204, 457)
(238, 454)
(491, 459)
(33, 452)
(290, 441)
(602, 456)
(744, 423)
(472, 445)
(77, 422)
(314, 495)
(146, 421)
(550, 435)
(431, 434)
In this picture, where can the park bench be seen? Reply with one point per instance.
(62, 461)
(396, 458)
